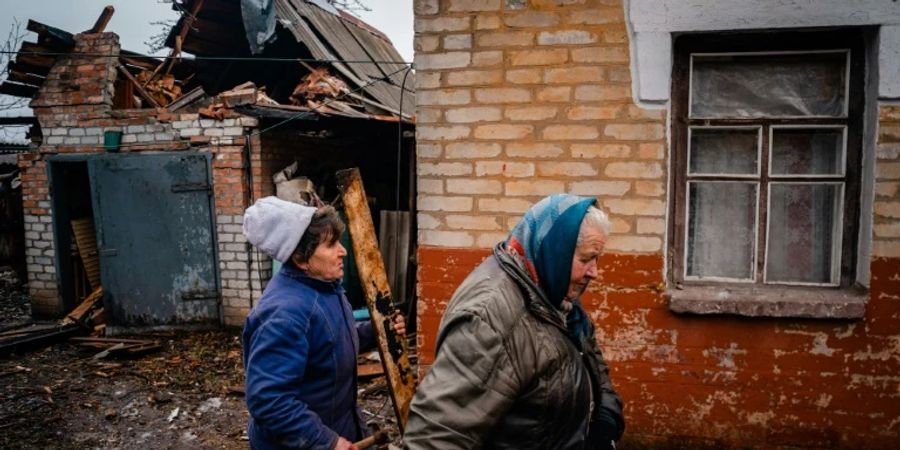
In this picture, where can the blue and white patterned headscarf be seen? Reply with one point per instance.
(544, 241)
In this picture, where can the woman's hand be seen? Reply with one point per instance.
(400, 325)
(343, 444)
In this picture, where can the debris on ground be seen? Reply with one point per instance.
(188, 392)
(15, 307)
(62, 397)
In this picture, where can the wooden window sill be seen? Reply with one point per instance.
(770, 301)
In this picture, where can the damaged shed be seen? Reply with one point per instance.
(157, 158)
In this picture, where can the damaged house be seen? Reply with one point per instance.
(748, 154)
(142, 167)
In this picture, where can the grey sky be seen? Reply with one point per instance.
(132, 20)
(133, 17)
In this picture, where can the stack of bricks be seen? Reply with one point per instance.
(517, 102)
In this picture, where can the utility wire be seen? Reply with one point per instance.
(203, 58)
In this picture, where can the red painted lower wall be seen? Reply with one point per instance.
(714, 381)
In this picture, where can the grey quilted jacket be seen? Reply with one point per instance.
(506, 373)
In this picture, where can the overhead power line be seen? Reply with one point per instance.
(204, 58)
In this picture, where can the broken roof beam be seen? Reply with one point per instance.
(18, 90)
(28, 68)
(102, 21)
(139, 60)
(22, 120)
(137, 86)
(25, 78)
(35, 60)
(186, 99)
(47, 34)
(51, 47)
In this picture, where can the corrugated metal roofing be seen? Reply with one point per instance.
(345, 40)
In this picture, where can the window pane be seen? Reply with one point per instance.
(721, 230)
(769, 85)
(724, 151)
(803, 244)
(810, 151)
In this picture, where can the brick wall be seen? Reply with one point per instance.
(522, 98)
(516, 102)
(886, 222)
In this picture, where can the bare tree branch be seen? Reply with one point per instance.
(351, 6)
(9, 104)
(157, 41)
(8, 48)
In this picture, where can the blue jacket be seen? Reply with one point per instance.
(300, 345)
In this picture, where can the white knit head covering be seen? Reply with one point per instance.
(275, 226)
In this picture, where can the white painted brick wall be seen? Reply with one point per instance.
(244, 270)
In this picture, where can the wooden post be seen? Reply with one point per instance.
(103, 20)
(393, 349)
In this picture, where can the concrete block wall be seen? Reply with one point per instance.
(522, 98)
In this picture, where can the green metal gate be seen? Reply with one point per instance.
(156, 238)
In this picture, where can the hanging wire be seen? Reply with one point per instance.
(206, 58)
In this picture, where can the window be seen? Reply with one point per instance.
(766, 136)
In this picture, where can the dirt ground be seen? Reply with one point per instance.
(187, 395)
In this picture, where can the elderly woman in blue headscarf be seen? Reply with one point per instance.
(517, 364)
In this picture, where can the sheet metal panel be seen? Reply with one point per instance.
(327, 37)
(156, 238)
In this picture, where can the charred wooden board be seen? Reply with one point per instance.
(393, 349)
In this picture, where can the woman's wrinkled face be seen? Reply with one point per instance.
(584, 262)
(327, 262)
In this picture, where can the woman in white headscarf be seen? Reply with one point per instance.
(300, 340)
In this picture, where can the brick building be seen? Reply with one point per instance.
(166, 202)
(747, 153)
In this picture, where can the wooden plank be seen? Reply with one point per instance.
(369, 370)
(137, 86)
(82, 311)
(18, 90)
(47, 33)
(32, 47)
(393, 349)
(26, 68)
(103, 20)
(39, 339)
(25, 78)
(86, 240)
(35, 60)
(18, 121)
(187, 99)
(107, 341)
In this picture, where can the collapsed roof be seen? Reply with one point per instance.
(316, 58)
(282, 31)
